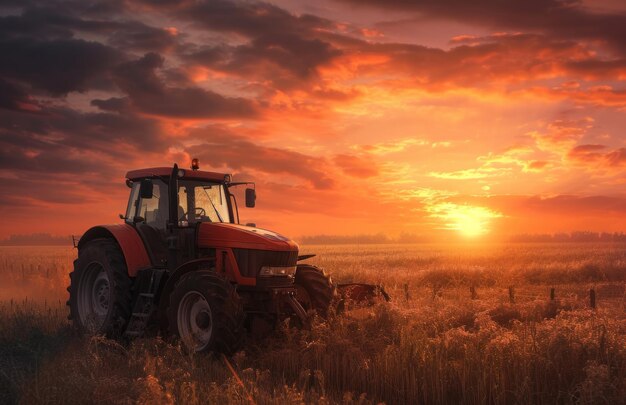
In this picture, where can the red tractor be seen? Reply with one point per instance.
(182, 261)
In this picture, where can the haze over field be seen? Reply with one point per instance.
(481, 119)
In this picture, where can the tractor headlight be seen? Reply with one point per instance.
(267, 271)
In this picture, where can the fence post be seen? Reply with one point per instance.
(511, 295)
(473, 291)
(592, 298)
(406, 291)
(552, 294)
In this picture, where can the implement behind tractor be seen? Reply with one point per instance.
(182, 262)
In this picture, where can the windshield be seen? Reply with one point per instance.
(202, 201)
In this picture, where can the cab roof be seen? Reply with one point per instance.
(167, 171)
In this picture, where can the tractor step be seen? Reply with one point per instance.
(147, 283)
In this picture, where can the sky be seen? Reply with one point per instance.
(446, 118)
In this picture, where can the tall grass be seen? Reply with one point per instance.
(440, 348)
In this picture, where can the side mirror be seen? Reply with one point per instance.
(146, 188)
(250, 197)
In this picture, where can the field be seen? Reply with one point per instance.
(466, 324)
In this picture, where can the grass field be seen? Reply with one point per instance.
(436, 342)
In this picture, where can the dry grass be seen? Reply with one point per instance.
(435, 346)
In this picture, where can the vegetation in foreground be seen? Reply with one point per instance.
(433, 343)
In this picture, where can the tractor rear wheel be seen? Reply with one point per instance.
(100, 289)
(316, 290)
(206, 312)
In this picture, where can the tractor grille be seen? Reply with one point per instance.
(250, 261)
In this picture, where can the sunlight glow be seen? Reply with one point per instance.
(468, 220)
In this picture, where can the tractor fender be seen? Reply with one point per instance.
(129, 241)
(205, 263)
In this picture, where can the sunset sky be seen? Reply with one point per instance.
(455, 118)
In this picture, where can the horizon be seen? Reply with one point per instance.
(46, 239)
(464, 122)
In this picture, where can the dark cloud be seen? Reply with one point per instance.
(149, 94)
(116, 104)
(222, 147)
(58, 66)
(283, 48)
(63, 156)
(54, 22)
(135, 35)
(77, 133)
(559, 18)
(286, 61)
(13, 97)
(251, 19)
(51, 159)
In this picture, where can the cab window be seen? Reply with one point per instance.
(132, 202)
(155, 210)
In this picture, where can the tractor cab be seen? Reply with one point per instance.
(170, 203)
(199, 196)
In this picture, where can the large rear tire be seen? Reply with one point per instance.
(100, 289)
(316, 290)
(206, 312)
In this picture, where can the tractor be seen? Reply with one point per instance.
(180, 263)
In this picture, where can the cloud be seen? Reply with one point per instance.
(562, 134)
(147, 93)
(600, 95)
(63, 20)
(281, 48)
(597, 155)
(139, 36)
(617, 157)
(383, 148)
(587, 153)
(536, 165)
(522, 206)
(287, 61)
(251, 19)
(62, 139)
(13, 97)
(501, 62)
(57, 66)
(557, 18)
(356, 166)
(224, 148)
(471, 174)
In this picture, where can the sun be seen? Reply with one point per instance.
(469, 221)
(471, 226)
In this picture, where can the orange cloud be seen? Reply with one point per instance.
(356, 166)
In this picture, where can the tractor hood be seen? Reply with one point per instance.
(239, 236)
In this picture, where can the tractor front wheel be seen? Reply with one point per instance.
(100, 289)
(206, 313)
(315, 289)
